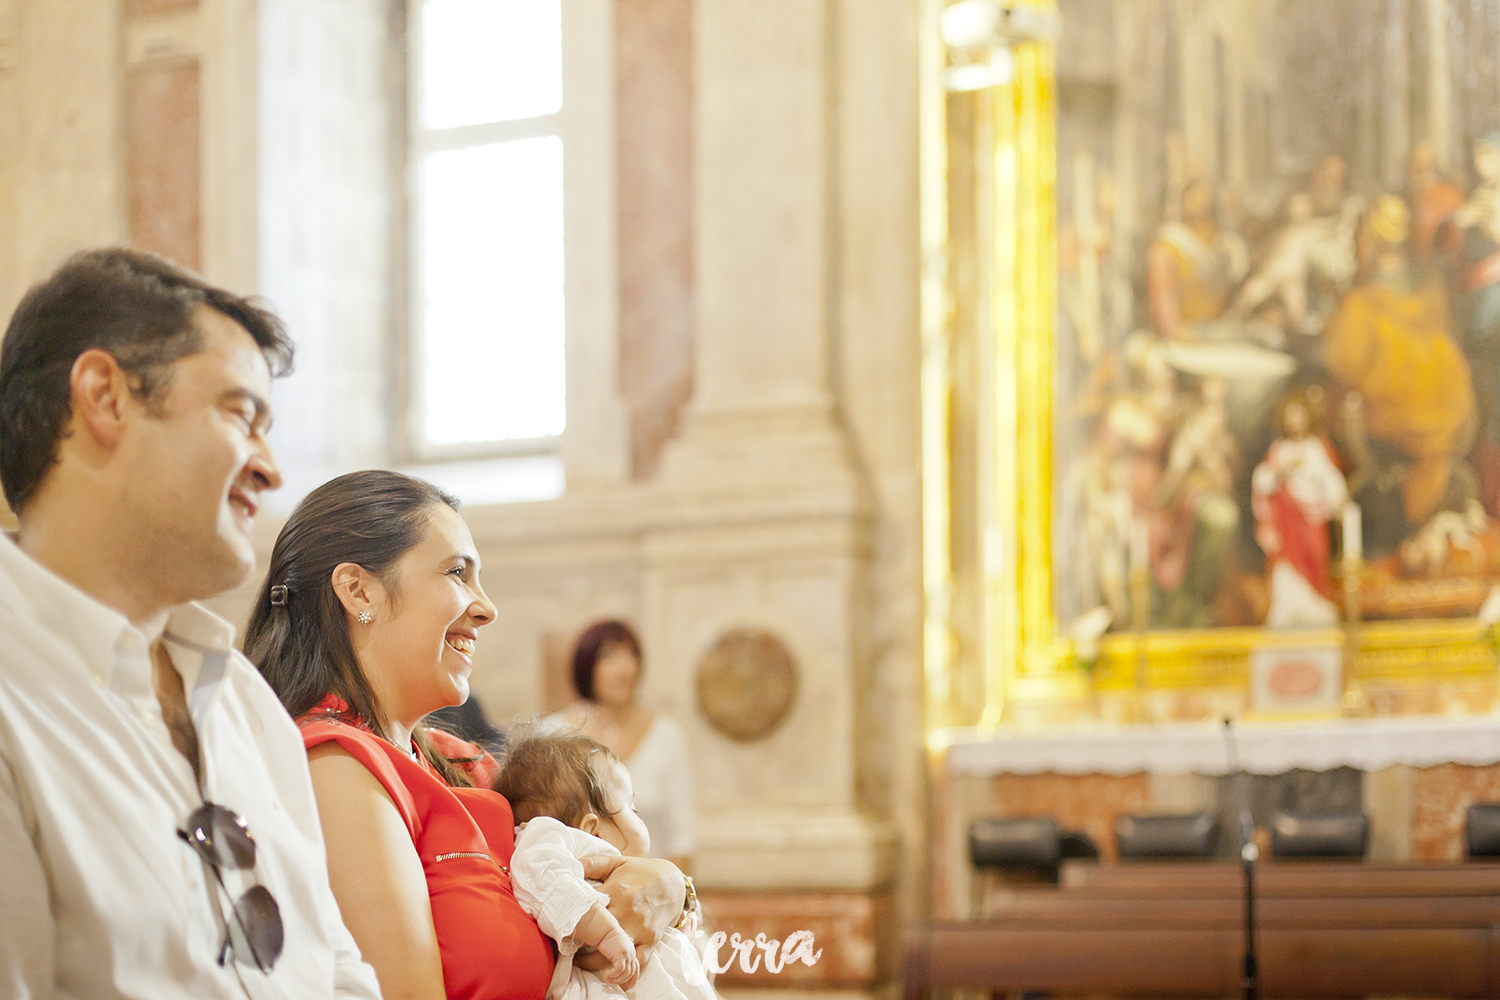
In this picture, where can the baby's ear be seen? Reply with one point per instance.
(590, 824)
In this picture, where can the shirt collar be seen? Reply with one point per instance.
(99, 633)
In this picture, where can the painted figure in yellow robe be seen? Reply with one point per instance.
(1192, 267)
(1390, 343)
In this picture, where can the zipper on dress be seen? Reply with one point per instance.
(471, 854)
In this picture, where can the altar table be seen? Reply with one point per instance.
(1198, 747)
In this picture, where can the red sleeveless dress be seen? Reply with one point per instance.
(491, 949)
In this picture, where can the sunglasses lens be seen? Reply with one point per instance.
(221, 836)
(259, 918)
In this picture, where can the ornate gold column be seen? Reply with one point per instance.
(990, 454)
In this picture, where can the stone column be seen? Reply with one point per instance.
(763, 519)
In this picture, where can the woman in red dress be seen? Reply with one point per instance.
(367, 621)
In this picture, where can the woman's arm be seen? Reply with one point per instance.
(376, 876)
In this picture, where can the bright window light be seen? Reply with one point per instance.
(491, 286)
(489, 61)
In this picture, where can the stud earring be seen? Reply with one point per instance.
(365, 618)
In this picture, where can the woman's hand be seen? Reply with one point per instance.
(645, 894)
(376, 876)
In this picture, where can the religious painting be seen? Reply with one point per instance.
(1277, 371)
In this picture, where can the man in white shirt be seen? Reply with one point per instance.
(158, 833)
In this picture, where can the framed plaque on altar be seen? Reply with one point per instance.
(1298, 675)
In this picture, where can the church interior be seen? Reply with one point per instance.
(1049, 450)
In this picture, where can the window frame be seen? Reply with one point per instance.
(594, 443)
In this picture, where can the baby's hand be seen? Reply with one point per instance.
(624, 966)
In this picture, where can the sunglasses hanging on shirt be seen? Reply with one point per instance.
(220, 837)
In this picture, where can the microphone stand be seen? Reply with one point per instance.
(1249, 855)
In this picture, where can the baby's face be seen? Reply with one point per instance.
(623, 829)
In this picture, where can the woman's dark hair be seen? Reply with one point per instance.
(133, 304)
(591, 644)
(299, 636)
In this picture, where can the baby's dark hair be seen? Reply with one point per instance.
(559, 773)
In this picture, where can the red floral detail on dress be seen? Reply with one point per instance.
(469, 758)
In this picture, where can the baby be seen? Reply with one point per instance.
(573, 799)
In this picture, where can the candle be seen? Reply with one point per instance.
(1353, 538)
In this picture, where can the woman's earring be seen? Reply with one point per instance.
(365, 618)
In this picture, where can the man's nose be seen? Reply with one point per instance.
(264, 468)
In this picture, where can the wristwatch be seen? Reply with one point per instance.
(691, 911)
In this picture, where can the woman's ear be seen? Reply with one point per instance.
(356, 588)
(590, 824)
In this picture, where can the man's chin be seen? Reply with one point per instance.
(234, 565)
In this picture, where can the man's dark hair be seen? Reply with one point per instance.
(135, 305)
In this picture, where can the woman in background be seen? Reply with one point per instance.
(606, 672)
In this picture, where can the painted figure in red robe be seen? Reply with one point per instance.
(1295, 490)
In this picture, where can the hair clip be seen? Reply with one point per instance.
(278, 595)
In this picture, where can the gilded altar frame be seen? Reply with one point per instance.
(991, 454)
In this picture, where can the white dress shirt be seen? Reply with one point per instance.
(99, 898)
(547, 872)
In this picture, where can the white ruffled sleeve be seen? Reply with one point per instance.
(548, 877)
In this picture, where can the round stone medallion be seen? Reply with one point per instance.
(746, 684)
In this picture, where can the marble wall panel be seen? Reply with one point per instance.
(654, 109)
(1439, 797)
(162, 104)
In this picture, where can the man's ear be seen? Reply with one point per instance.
(101, 395)
(356, 588)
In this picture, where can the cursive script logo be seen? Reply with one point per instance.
(798, 947)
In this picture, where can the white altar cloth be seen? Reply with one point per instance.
(1198, 748)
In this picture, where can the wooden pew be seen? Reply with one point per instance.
(1174, 929)
(1203, 961)
(1043, 907)
(1162, 879)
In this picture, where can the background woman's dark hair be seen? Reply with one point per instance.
(302, 645)
(592, 643)
(133, 304)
